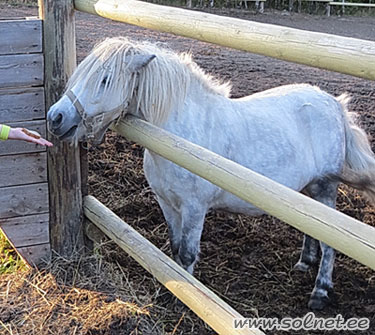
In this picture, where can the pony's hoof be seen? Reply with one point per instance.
(318, 303)
(302, 266)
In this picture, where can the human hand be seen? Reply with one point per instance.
(28, 136)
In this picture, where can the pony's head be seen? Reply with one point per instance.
(100, 91)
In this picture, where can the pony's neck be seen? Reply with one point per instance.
(164, 86)
(159, 92)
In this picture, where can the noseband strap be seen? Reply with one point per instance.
(76, 103)
(81, 111)
(90, 122)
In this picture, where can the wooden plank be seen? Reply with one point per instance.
(336, 53)
(23, 169)
(20, 147)
(20, 36)
(24, 104)
(64, 179)
(26, 230)
(36, 254)
(207, 305)
(350, 236)
(19, 18)
(333, 3)
(23, 200)
(21, 70)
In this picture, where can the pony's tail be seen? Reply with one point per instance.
(359, 166)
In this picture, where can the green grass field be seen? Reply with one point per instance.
(10, 261)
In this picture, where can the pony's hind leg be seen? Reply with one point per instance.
(309, 253)
(324, 191)
(323, 283)
(310, 247)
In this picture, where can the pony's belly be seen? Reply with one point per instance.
(232, 204)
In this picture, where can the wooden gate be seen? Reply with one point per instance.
(24, 208)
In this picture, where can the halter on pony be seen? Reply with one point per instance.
(91, 121)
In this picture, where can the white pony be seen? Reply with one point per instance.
(296, 135)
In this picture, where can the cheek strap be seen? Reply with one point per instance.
(76, 103)
(90, 122)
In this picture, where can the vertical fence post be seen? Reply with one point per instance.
(64, 167)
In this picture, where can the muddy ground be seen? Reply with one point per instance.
(247, 261)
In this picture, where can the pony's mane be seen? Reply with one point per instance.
(157, 89)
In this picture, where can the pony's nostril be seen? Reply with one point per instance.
(57, 121)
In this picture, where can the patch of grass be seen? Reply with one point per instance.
(10, 261)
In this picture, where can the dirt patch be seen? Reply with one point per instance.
(246, 261)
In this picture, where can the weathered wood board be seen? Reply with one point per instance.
(23, 169)
(24, 198)
(27, 230)
(36, 254)
(25, 104)
(20, 36)
(21, 70)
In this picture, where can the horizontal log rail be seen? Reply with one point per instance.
(353, 4)
(336, 229)
(208, 306)
(341, 54)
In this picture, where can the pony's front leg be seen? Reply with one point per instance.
(309, 253)
(174, 221)
(192, 226)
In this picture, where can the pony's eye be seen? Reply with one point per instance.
(104, 81)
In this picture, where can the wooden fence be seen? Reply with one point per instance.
(24, 206)
(329, 4)
(346, 55)
(207, 305)
(67, 168)
(342, 54)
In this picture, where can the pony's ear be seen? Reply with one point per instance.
(140, 61)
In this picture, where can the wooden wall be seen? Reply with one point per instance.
(24, 208)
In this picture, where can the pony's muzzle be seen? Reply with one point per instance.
(62, 122)
(55, 121)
